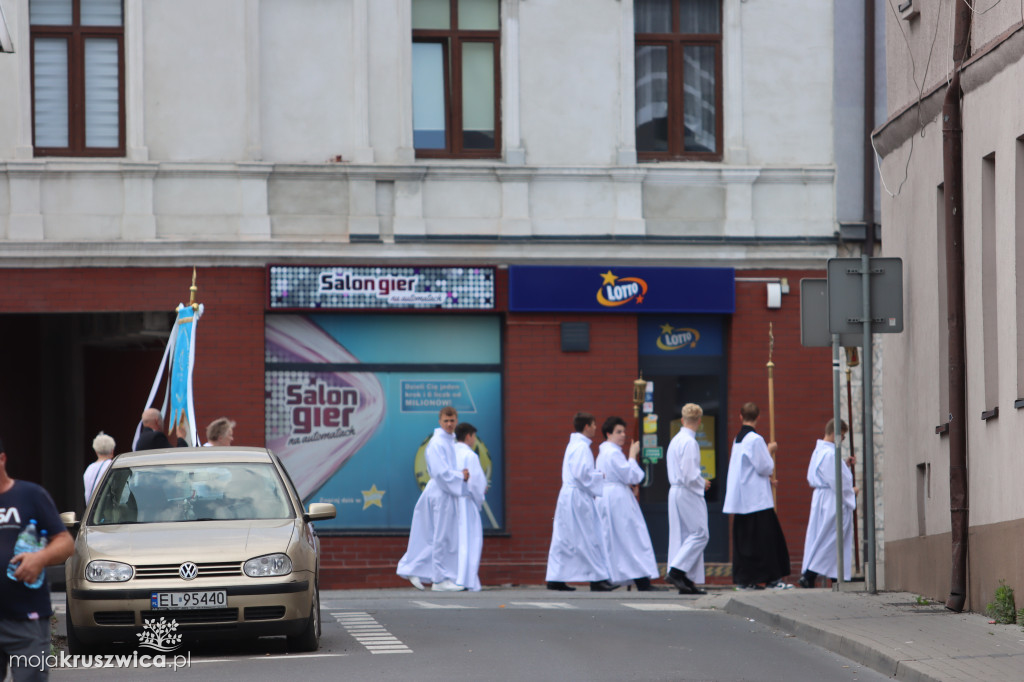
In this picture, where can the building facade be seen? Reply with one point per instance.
(393, 204)
(918, 528)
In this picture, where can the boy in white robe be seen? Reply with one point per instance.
(471, 528)
(820, 541)
(630, 553)
(578, 552)
(687, 510)
(433, 551)
(759, 551)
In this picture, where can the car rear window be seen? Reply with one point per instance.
(191, 492)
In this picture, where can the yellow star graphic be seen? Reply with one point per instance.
(666, 329)
(372, 497)
(609, 278)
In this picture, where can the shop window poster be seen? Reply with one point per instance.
(352, 399)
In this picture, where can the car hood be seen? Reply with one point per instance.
(154, 543)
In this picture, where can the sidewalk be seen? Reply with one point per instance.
(888, 632)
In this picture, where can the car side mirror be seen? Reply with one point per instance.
(69, 519)
(320, 511)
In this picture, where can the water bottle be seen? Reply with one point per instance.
(42, 574)
(28, 541)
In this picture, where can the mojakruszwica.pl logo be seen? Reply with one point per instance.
(158, 635)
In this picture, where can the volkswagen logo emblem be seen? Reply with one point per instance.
(188, 570)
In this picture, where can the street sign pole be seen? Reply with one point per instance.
(869, 432)
(837, 435)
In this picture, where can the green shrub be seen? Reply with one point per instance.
(1003, 610)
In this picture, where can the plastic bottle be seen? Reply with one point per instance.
(28, 541)
(42, 574)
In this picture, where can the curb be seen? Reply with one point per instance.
(854, 648)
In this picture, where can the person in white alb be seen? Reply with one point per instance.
(433, 551)
(577, 552)
(820, 541)
(471, 528)
(103, 446)
(630, 553)
(759, 551)
(687, 510)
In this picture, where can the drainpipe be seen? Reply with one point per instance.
(952, 175)
(868, 247)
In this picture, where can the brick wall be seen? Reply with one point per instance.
(803, 391)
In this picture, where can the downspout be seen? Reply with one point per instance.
(868, 248)
(952, 175)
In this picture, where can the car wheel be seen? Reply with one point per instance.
(75, 645)
(309, 640)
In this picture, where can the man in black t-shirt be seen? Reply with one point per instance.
(25, 612)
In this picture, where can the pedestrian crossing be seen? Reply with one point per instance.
(365, 629)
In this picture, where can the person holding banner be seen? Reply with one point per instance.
(630, 553)
(433, 551)
(471, 528)
(153, 437)
(687, 510)
(820, 541)
(578, 552)
(759, 551)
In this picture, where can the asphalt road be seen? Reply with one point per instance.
(515, 634)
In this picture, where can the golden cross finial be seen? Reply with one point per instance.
(192, 291)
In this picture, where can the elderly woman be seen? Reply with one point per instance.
(220, 432)
(103, 446)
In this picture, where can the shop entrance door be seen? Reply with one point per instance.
(694, 374)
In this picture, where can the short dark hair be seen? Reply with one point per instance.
(448, 411)
(463, 430)
(610, 423)
(830, 428)
(582, 420)
(749, 412)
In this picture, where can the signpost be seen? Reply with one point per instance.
(862, 296)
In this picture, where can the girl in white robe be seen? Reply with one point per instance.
(630, 553)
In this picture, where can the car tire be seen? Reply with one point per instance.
(309, 639)
(76, 647)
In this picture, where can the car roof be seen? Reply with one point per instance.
(201, 455)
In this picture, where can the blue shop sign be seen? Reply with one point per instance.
(633, 290)
(673, 335)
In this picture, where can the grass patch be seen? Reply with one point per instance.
(1002, 609)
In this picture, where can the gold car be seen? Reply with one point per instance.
(194, 542)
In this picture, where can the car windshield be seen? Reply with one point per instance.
(191, 492)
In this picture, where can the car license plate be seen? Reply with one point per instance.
(202, 599)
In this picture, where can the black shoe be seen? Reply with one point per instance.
(805, 583)
(602, 586)
(677, 582)
(560, 586)
(644, 585)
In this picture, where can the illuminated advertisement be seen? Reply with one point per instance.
(351, 401)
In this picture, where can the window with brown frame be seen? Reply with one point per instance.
(77, 77)
(456, 78)
(678, 61)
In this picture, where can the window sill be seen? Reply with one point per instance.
(990, 414)
(942, 429)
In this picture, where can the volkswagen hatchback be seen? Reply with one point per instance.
(206, 542)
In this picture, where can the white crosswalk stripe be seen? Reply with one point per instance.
(656, 606)
(433, 605)
(543, 604)
(365, 629)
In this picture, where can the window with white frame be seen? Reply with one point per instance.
(77, 77)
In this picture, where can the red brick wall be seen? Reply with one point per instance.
(229, 349)
(803, 391)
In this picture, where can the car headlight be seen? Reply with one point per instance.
(268, 565)
(107, 572)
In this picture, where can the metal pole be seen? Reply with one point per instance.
(869, 450)
(837, 436)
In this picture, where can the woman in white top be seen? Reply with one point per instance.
(103, 446)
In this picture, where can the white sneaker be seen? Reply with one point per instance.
(416, 582)
(779, 585)
(446, 586)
